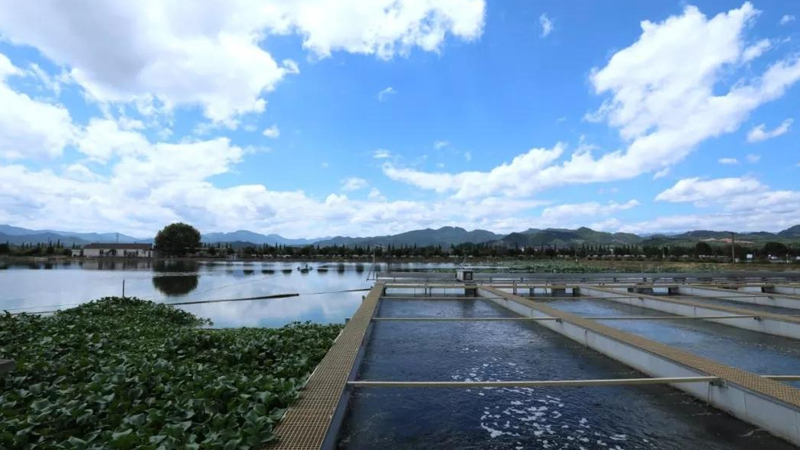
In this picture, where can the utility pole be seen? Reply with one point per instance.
(733, 248)
(123, 288)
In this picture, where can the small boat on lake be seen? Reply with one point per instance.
(305, 269)
(286, 270)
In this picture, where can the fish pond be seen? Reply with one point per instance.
(45, 286)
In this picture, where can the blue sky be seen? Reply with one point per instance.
(314, 118)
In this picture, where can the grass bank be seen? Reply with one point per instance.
(127, 373)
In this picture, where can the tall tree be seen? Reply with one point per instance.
(177, 239)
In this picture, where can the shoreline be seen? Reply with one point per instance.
(607, 264)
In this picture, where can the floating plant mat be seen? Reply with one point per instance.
(128, 373)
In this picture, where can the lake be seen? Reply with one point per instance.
(41, 286)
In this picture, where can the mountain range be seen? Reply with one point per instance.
(444, 236)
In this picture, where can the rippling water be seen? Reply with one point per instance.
(45, 287)
(620, 417)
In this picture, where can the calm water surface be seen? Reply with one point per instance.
(44, 287)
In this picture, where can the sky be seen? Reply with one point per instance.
(313, 118)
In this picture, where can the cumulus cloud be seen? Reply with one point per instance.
(381, 154)
(546, 24)
(440, 144)
(704, 191)
(752, 158)
(166, 54)
(786, 19)
(385, 93)
(754, 51)
(517, 178)
(662, 107)
(760, 133)
(588, 209)
(272, 132)
(740, 204)
(375, 194)
(728, 161)
(354, 184)
(30, 128)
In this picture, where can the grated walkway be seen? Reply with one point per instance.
(306, 423)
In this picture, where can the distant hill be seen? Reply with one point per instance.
(254, 238)
(793, 232)
(19, 236)
(562, 237)
(444, 236)
(34, 238)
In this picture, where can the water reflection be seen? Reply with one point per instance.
(174, 285)
(24, 287)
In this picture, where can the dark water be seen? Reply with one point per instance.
(629, 417)
(45, 287)
(755, 352)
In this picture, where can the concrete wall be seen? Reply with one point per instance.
(742, 297)
(763, 324)
(791, 290)
(778, 418)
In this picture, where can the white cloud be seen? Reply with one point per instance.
(786, 19)
(759, 133)
(380, 27)
(440, 144)
(752, 158)
(272, 132)
(385, 93)
(468, 156)
(742, 203)
(381, 154)
(30, 128)
(589, 209)
(662, 173)
(517, 178)
(703, 191)
(167, 54)
(754, 51)
(662, 107)
(104, 138)
(354, 184)
(375, 194)
(728, 161)
(546, 24)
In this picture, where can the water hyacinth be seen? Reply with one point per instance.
(128, 373)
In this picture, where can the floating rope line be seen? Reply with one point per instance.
(197, 302)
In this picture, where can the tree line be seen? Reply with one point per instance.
(180, 239)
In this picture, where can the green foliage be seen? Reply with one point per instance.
(177, 239)
(703, 248)
(127, 373)
(775, 249)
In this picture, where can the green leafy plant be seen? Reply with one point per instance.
(127, 373)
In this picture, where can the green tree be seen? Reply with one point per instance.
(703, 248)
(177, 239)
(775, 249)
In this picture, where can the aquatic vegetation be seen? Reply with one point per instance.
(128, 373)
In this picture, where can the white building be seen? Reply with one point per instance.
(118, 251)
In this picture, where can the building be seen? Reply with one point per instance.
(118, 250)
